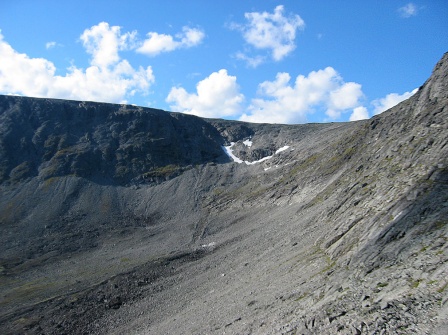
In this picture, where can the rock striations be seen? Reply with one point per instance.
(118, 219)
(105, 143)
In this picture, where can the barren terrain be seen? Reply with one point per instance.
(124, 220)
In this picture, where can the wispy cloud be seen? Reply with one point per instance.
(408, 10)
(250, 61)
(50, 45)
(274, 32)
(157, 43)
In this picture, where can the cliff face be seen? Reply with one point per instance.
(119, 219)
(118, 144)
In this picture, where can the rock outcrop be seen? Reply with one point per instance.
(119, 219)
(105, 143)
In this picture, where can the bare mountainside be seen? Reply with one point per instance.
(126, 220)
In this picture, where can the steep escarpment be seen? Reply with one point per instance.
(339, 228)
(118, 144)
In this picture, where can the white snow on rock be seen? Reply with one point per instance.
(286, 147)
(209, 247)
(247, 143)
(229, 152)
(258, 161)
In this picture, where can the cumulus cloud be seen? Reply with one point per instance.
(390, 101)
(282, 102)
(408, 10)
(103, 43)
(216, 96)
(108, 78)
(157, 43)
(359, 113)
(344, 97)
(271, 31)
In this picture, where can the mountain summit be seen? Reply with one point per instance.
(118, 219)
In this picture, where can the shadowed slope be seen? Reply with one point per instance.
(114, 144)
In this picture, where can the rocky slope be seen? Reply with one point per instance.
(119, 219)
(105, 143)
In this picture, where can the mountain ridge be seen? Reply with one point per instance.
(60, 134)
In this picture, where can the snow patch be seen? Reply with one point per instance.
(209, 246)
(247, 143)
(229, 152)
(286, 147)
(258, 161)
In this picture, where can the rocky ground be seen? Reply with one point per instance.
(344, 230)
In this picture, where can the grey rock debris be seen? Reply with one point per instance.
(118, 219)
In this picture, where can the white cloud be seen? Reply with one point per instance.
(359, 113)
(345, 97)
(390, 101)
(104, 42)
(217, 96)
(50, 45)
(157, 43)
(408, 10)
(190, 37)
(272, 31)
(108, 79)
(251, 61)
(281, 102)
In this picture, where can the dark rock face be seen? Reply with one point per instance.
(106, 143)
(139, 223)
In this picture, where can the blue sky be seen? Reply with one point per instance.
(261, 61)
